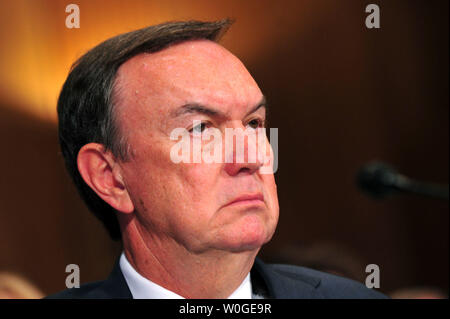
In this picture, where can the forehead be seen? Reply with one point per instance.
(199, 71)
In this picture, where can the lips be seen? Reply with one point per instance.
(256, 198)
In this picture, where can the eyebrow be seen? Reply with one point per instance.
(203, 109)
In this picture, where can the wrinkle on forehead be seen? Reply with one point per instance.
(196, 55)
(198, 71)
(192, 63)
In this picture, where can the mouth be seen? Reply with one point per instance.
(247, 199)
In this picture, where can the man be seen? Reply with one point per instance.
(189, 229)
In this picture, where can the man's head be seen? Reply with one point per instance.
(115, 137)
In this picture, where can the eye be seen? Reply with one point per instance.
(199, 128)
(255, 123)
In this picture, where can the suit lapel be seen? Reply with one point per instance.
(267, 281)
(275, 283)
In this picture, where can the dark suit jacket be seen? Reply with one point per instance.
(271, 281)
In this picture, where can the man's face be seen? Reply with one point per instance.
(189, 204)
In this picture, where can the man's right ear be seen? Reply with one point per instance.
(101, 171)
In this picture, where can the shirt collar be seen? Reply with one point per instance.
(143, 288)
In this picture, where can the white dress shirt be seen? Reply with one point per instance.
(143, 288)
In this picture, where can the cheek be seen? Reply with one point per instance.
(200, 180)
(271, 188)
(273, 205)
(162, 185)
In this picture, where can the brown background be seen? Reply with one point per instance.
(340, 95)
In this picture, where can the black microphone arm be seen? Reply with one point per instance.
(379, 180)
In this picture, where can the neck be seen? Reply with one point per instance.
(209, 274)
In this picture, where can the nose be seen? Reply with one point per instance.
(241, 151)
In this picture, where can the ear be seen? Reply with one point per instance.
(100, 170)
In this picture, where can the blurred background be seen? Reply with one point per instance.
(340, 95)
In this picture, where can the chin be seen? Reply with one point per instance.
(241, 247)
(248, 236)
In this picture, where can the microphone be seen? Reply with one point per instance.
(380, 180)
